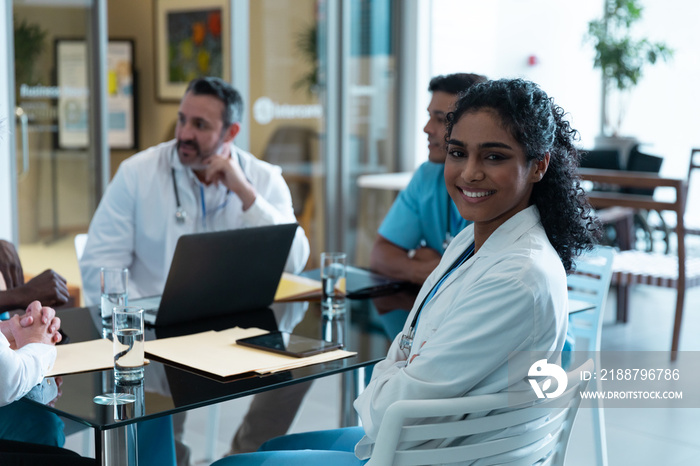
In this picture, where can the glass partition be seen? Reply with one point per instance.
(289, 113)
(56, 179)
(285, 113)
(372, 98)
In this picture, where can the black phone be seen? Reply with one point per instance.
(289, 344)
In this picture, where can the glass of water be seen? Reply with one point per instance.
(114, 285)
(128, 344)
(333, 265)
(333, 274)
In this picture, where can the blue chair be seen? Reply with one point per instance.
(156, 442)
(590, 282)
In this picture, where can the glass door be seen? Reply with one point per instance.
(359, 85)
(371, 89)
(56, 162)
(322, 102)
(286, 115)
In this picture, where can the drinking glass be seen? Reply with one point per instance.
(114, 284)
(128, 344)
(333, 271)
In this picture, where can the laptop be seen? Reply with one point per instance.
(221, 273)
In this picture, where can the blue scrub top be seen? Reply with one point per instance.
(420, 212)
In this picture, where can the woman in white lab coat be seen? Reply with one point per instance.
(500, 287)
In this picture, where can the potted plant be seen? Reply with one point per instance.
(621, 57)
(307, 45)
(30, 41)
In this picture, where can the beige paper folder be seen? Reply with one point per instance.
(297, 288)
(86, 356)
(217, 353)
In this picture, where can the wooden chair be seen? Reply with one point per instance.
(544, 439)
(693, 224)
(641, 267)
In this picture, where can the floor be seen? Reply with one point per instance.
(635, 436)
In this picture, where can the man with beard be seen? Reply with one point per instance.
(198, 182)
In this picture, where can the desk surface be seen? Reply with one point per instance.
(366, 328)
(180, 389)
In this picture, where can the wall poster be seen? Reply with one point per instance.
(73, 94)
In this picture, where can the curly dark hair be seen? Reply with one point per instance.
(538, 124)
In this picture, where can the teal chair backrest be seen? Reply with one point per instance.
(590, 282)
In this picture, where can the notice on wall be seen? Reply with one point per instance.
(73, 94)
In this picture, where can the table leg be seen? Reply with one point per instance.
(120, 446)
(353, 384)
(623, 300)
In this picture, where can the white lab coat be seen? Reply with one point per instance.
(135, 225)
(510, 296)
(22, 369)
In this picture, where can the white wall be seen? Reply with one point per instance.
(496, 37)
(664, 111)
(7, 119)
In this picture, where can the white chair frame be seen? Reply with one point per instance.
(551, 436)
(590, 282)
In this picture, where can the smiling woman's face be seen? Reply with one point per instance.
(487, 173)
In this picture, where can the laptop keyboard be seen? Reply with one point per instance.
(150, 307)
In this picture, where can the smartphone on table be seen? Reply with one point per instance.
(289, 344)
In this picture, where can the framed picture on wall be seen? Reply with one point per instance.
(192, 40)
(72, 104)
(121, 94)
(72, 108)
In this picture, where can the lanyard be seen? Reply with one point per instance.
(204, 205)
(407, 338)
(181, 214)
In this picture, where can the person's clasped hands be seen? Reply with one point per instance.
(48, 287)
(10, 265)
(39, 324)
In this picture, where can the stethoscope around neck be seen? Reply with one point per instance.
(180, 212)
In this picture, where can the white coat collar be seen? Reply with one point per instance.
(499, 240)
(510, 230)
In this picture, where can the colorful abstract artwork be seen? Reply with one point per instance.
(194, 45)
(192, 41)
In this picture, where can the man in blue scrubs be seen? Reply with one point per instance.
(423, 219)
